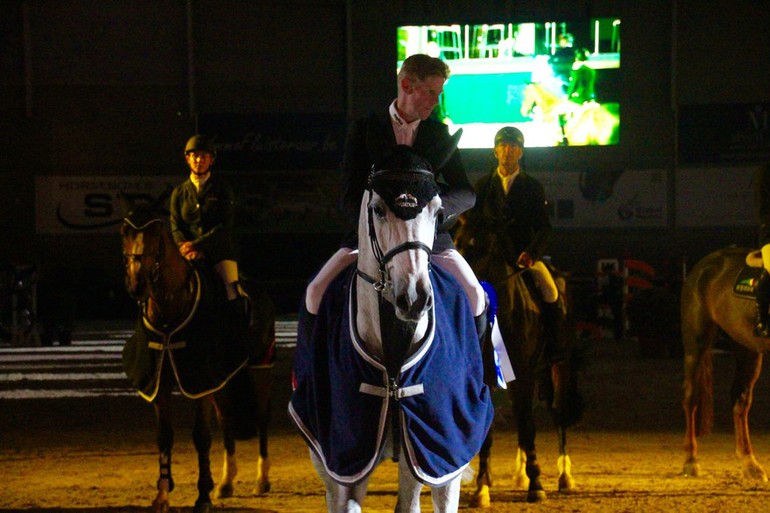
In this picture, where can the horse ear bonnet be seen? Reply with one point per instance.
(405, 181)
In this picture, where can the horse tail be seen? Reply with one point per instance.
(703, 392)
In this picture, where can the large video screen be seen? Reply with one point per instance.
(558, 82)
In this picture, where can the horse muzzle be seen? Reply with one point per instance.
(413, 300)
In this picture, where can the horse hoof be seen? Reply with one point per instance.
(160, 506)
(566, 484)
(536, 496)
(203, 507)
(691, 470)
(481, 498)
(755, 473)
(161, 503)
(262, 488)
(224, 491)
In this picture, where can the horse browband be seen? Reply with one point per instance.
(140, 228)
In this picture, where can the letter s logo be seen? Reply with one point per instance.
(98, 205)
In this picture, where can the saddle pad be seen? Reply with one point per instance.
(745, 281)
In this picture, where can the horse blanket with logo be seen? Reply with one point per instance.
(342, 399)
(200, 352)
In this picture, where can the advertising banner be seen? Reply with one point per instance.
(90, 204)
(606, 198)
(247, 142)
(266, 201)
(724, 134)
(709, 197)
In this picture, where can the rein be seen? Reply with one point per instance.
(516, 270)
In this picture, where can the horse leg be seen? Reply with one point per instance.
(261, 380)
(748, 368)
(230, 466)
(165, 441)
(564, 463)
(339, 498)
(698, 335)
(446, 499)
(561, 379)
(522, 396)
(408, 489)
(481, 498)
(202, 442)
(520, 479)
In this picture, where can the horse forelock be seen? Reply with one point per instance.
(405, 192)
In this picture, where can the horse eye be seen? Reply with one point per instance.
(378, 211)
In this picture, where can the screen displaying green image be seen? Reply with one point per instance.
(558, 82)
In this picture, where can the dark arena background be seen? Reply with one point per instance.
(98, 97)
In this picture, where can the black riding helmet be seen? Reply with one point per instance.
(200, 142)
(509, 134)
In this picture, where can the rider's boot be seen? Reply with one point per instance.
(306, 323)
(482, 324)
(762, 290)
(238, 317)
(555, 338)
(485, 343)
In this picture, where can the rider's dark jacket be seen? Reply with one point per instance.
(517, 221)
(205, 217)
(369, 138)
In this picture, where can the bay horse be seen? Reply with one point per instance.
(570, 123)
(712, 307)
(520, 325)
(393, 367)
(184, 340)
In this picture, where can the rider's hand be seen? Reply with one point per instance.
(525, 260)
(189, 252)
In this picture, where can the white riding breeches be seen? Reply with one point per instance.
(453, 262)
(228, 272)
(766, 257)
(544, 282)
(450, 260)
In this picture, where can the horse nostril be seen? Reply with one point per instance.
(413, 305)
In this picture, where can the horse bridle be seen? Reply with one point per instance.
(153, 272)
(381, 284)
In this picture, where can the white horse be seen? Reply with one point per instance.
(395, 316)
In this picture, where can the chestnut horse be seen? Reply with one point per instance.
(183, 340)
(711, 308)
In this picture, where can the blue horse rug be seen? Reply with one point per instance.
(343, 396)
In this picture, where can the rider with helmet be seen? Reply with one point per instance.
(511, 212)
(407, 121)
(562, 59)
(202, 212)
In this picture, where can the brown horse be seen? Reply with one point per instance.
(183, 340)
(520, 323)
(710, 309)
